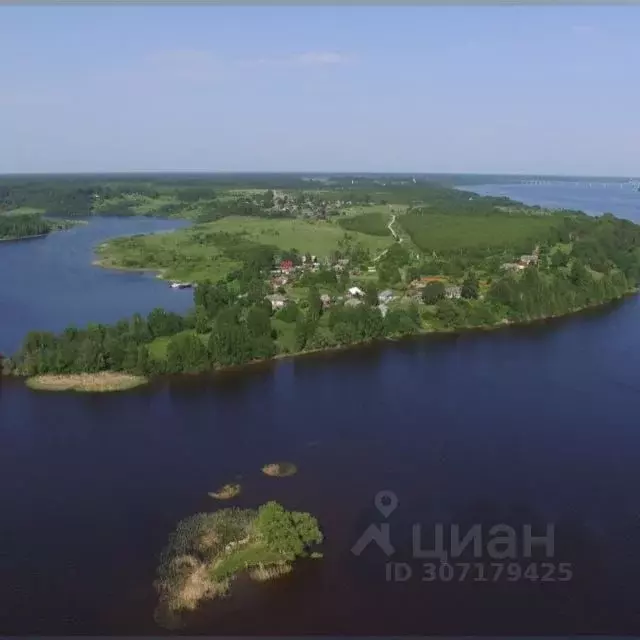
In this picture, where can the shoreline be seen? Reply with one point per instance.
(70, 225)
(111, 381)
(160, 273)
(22, 238)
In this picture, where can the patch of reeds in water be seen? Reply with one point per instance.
(279, 469)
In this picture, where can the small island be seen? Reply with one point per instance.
(208, 551)
(280, 469)
(226, 492)
(103, 381)
(310, 268)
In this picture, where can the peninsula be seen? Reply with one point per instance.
(305, 264)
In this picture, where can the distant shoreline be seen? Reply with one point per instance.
(21, 238)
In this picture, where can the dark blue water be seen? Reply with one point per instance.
(49, 283)
(530, 425)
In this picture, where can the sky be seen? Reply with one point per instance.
(515, 89)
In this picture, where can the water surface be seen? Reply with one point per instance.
(49, 283)
(530, 425)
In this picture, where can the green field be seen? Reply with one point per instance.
(446, 233)
(374, 224)
(192, 255)
(318, 238)
(178, 256)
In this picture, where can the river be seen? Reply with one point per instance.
(534, 425)
(47, 283)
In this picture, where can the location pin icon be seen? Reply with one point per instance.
(386, 502)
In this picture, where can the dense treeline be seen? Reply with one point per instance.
(23, 226)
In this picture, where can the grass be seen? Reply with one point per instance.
(280, 469)
(192, 255)
(226, 492)
(319, 238)
(96, 382)
(286, 335)
(446, 233)
(158, 346)
(177, 255)
(240, 559)
(375, 224)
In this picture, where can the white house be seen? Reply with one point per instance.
(385, 296)
(277, 301)
(356, 291)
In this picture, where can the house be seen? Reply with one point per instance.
(352, 302)
(286, 266)
(528, 260)
(512, 266)
(385, 296)
(356, 291)
(277, 301)
(452, 291)
(326, 300)
(371, 269)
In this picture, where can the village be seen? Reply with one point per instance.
(287, 282)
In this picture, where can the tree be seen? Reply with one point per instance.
(164, 323)
(432, 292)
(314, 303)
(186, 353)
(268, 200)
(371, 295)
(289, 533)
(289, 313)
(258, 322)
(202, 322)
(470, 287)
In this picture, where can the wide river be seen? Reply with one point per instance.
(536, 425)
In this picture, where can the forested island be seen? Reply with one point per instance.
(286, 264)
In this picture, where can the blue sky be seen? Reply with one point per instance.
(418, 89)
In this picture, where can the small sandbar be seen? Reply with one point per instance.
(100, 382)
(280, 469)
(226, 492)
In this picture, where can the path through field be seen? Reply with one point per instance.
(395, 235)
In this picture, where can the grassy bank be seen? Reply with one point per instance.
(88, 382)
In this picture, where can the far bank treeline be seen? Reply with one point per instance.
(23, 226)
(232, 323)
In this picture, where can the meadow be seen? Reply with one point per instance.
(192, 255)
(450, 233)
(374, 224)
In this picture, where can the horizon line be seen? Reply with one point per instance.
(315, 173)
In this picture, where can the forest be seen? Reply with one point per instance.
(23, 226)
